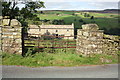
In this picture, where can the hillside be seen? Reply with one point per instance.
(106, 21)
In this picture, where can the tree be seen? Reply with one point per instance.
(32, 6)
(92, 17)
(93, 21)
(11, 9)
(73, 14)
(75, 19)
(85, 14)
(80, 20)
(84, 23)
(41, 12)
(58, 22)
(88, 15)
(6, 9)
(55, 21)
(57, 14)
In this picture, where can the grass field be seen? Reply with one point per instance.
(106, 21)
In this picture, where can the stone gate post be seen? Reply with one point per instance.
(11, 36)
(89, 40)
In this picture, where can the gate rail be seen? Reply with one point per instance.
(53, 42)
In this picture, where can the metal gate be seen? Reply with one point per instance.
(55, 41)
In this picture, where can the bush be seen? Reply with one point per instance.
(92, 17)
(93, 21)
(80, 20)
(58, 22)
(73, 13)
(84, 23)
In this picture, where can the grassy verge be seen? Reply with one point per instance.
(59, 58)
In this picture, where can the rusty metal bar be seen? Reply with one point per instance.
(50, 44)
(57, 47)
(52, 47)
(51, 28)
(50, 40)
(29, 43)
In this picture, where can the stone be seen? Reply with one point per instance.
(5, 22)
(86, 33)
(15, 23)
(0, 20)
(1, 17)
(91, 27)
(6, 17)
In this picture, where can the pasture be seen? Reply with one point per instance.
(106, 21)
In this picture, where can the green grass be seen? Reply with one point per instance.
(106, 21)
(60, 12)
(59, 58)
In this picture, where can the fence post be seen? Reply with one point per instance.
(23, 45)
(89, 40)
(0, 38)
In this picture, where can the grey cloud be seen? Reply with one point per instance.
(81, 0)
(71, 6)
(105, 5)
(58, 5)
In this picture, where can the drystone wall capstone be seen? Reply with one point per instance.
(91, 40)
(11, 36)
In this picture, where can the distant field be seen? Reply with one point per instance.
(106, 21)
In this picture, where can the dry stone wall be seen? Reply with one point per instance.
(111, 44)
(11, 36)
(91, 40)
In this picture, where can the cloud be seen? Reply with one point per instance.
(80, 5)
(81, 0)
(57, 5)
(105, 5)
(63, 6)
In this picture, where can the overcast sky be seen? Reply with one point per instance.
(79, 4)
